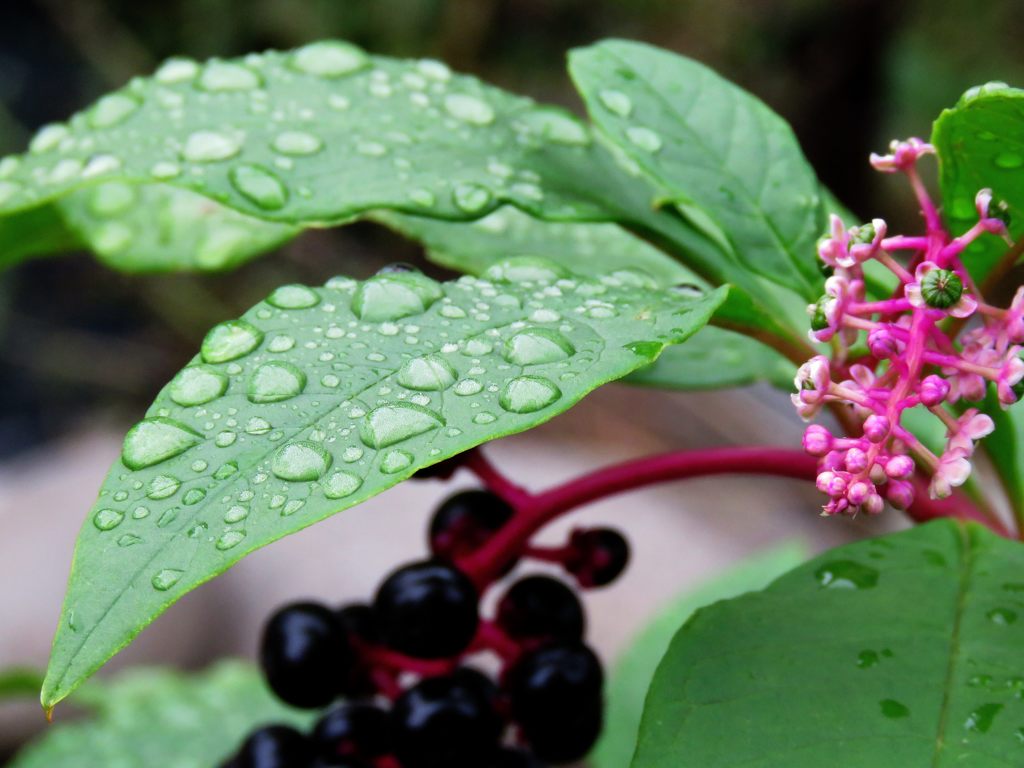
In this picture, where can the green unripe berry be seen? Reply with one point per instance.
(819, 320)
(942, 288)
(863, 234)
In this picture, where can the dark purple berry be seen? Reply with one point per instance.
(360, 622)
(353, 731)
(466, 521)
(273, 746)
(427, 610)
(446, 722)
(305, 655)
(539, 607)
(600, 555)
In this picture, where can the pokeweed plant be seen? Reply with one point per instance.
(678, 239)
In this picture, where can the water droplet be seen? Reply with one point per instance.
(257, 426)
(164, 170)
(1009, 160)
(65, 170)
(435, 70)
(526, 394)
(471, 198)
(371, 149)
(867, 659)
(330, 58)
(100, 165)
(225, 438)
(557, 126)
(210, 146)
(846, 574)
(390, 424)
(645, 138)
(176, 70)
(156, 439)
(617, 102)
(536, 346)
(893, 709)
(1002, 616)
(484, 417)
(275, 381)
(341, 484)
(48, 137)
(196, 385)
(423, 197)
(469, 109)
(393, 296)
(981, 719)
(525, 269)
(8, 189)
(430, 373)
(236, 514)
(193, 496)
(221, 76)
(111, 110)
(162, 486)
(303, 460)
(128, 539)
(229, 539)
(166, 579)
(260, 186)
(395, 461)
(230, 340)
(293, 297)
(107, 519)
(111, 199)
(297, 143)
(468, 387)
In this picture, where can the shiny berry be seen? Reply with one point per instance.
(274, 746)
(360, 622)
(539, 607)
(465, 521)
(599, 556)
(353, 731)
(427, 610)
(305, 655)
(446, 722)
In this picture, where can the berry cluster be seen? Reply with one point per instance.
(918, 353)
(400, 662)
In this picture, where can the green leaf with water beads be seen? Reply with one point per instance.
(151, 717)
(892, 652)
(730, 165)
(319, 398)
(980, 143)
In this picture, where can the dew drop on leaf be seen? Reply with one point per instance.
(230, 340)
(275, 381)
(197, 384)
(259, 185)
(468, 387)
(330, 59)
(395, 461)
(1002, 616)
(525, 269)
(393, 423)
(167, 578)
(111, 110)
(293, 297)
(8, 189)
(471, 198)
(616, 102)
(846, 574)
(229, 539)
(156, 439)
(47, 138)
(210, 147)
(299, 461)
(981, 719)
(535, 346)
(526, 394)
(160, 487)
(893, 710)
(221, 76)
(644, 138)
(341, 484)
(1009, 161)
(469, 109)
(297, 143)
(393, 296)
(107, 519)
(427, 373)
(176, 70)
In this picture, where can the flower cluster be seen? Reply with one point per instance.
(932, 345)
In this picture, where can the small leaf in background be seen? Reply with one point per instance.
(893, 652)
(19, 682)
(151, 717)
(319, 398)
(631, 676)
(731, 165)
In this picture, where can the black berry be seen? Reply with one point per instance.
(465, 521)
(353, 731)
(600, 555)
(427, 610)
(360, 622)
(305, 655)
(539, 607)
(446, 722)
(274, 746)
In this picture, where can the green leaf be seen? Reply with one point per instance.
(1004, 447)
(151, 717)
(731, 165)
(894, 652)
(318, 399)
(715, 358)
(19, 681)
(632, 675)
(980, 143)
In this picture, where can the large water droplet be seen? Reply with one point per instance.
(1009, 160)
(161, 487)
(227, 76)
(846, 574)
(468, 387)
(526, 394)
(617, 102)
(297, 143)
(469, 109)
(1002, 616)
(210, 146)
(330, 58)
(394, 295)
(525, 269)
(428, 373)
(275, 381)
(156, 439)
(471, 198)
(557, 126)
(293, 296)
(176, 70)
(197, 384)
(981, 719)
(536, 346)
(299, 461)
(112, 109)
(107, 519)
(167, 578)
(230, 340)
(390, 424)
(395, 461)
(645, 138)
(229, 539)
(341, 484)
(48, 137)
(893, 709)
(260, 186)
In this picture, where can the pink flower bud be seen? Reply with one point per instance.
(824, 481)
(900, 493)
(876, 428)
(899, 467)
(934, 390)
(856, 460)
(836, 487)
(859, 493)
(833, 460)
(873, 504)
(817, 440)
(883, 344)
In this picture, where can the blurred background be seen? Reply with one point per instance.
(83, 350)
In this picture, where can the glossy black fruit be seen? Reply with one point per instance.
(555, 693)
(360, 622)
(446, 722)
(465, 521)
(427, 610)
(305, 655)
(539, 607)
(274, 746)
(353, 731)
(600, 555)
